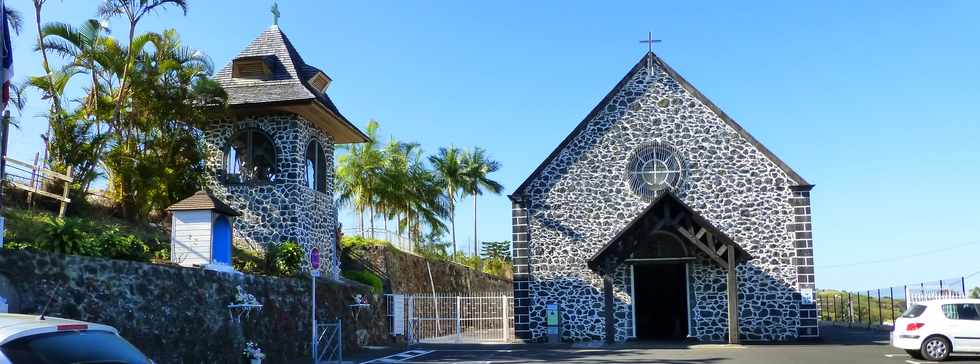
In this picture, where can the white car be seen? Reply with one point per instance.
(933, 330)
(29, 339)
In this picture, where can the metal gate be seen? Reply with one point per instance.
(329, 345)
(447, 318)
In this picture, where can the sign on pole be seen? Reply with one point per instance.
(314, 272)
(315, 261)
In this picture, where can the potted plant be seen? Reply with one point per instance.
(254, 353)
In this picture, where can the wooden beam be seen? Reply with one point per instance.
(44, 171)
(39, 191)
(732, 303)
(659, 260)
(721, 251)
(711, 253)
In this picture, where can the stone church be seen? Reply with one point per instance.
(272, 159)
(659, 217)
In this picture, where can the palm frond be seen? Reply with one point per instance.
(14, 19)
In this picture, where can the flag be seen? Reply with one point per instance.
(6, 57)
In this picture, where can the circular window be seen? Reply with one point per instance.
(653, 168)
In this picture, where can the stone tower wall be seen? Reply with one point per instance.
(284, 209)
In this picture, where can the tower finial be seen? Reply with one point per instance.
(275, 13)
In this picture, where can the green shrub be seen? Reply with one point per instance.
(18, 245)
(246, 261)
(69, 236)
(116, 245)
(81, 236)
(366, 277)
(284, 259)
(359, 243)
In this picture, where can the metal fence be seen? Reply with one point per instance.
(880, 307)
(445, 318)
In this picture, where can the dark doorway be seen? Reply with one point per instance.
(661, 301)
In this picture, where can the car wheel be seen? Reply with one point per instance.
(936, 348)
(915, 354)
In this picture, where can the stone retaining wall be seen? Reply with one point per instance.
(409, 273)
(180, 315)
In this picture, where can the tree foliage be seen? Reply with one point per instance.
(143, 103)
(497, 250)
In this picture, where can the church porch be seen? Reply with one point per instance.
(667, 235)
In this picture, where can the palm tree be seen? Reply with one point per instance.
(393, 181)
(477, 168)
(134, 10)
(82, 44)
(427, 205)
(358, 172)
(448, 165)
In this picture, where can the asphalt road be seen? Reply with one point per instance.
(840, 345)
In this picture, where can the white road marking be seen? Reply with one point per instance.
(400, 357)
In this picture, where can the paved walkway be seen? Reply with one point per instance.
(840, 345)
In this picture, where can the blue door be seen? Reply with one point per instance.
(221, 241)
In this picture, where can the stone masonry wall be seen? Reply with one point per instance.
(180, 315)
(284, 209)
(581, 200)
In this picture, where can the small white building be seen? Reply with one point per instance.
(202, 231)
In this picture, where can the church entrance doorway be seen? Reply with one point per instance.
(660, 296)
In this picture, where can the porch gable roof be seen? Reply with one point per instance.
(668, 213)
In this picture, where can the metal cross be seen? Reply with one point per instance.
(275, 13)
(650, 41)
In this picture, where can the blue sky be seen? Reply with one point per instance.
(871, 101)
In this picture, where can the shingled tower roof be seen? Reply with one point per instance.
(269, 75)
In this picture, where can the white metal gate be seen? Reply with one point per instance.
(445, 318)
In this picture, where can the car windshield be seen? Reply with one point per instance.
(914, 311)
(73, 347)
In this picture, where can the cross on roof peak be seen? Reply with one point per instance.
(649, 41)
(275, 13)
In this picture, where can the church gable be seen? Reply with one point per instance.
(655, 135)
(637, 94)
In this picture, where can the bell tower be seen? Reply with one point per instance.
(271, 158)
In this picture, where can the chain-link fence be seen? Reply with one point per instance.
(879, 307)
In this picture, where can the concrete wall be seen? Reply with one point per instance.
(180, 315)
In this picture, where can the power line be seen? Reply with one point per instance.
(902, 257)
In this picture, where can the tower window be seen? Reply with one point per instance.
(250, 157)
(316, 167)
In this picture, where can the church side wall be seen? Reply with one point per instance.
(581, 200)
(284, 209)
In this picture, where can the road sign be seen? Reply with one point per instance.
(315, 259)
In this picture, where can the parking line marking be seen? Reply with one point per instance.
(400, 357)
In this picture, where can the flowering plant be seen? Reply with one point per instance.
(244, 298)
(253, 351)
(359, 300)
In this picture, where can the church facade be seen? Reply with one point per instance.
(659, 217)
(271, 159)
